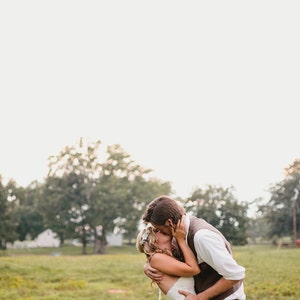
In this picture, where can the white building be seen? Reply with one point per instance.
(114, 239)
(47, 238)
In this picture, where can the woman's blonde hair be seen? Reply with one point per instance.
(146, 242)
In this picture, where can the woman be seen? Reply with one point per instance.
(157, 247)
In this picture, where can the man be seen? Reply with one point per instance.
(220, 277)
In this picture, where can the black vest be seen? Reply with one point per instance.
(208, 276)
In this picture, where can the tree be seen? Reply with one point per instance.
(257, 225)
(145, 192)
(284, 200)
(7, 224)
(219, 207)
(67, 192)
(29, 219)
(64, 205)
(122, 191)
(86, 198)
(140, 193)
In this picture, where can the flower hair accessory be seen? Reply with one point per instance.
(145, 235)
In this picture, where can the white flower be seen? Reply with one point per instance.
(145, 235)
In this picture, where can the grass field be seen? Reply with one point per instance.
(64, 274)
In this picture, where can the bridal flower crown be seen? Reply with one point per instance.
(145, 235)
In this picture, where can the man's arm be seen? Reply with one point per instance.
(218, 288)
(211, 248)
(152, 273)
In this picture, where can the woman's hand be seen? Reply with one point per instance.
(179, 231)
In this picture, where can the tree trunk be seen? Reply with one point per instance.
(3, 244)
(84, 251)
(100, 245)
(84, 245)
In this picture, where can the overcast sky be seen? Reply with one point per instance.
(203, 92)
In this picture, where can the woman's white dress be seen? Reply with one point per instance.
(184, 284)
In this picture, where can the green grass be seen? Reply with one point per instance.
(65, 250)
(64, 274)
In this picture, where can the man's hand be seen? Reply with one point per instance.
(152, 273)
(189, 296)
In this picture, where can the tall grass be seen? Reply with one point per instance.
(64, 274)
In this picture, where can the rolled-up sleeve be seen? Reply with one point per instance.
(211, 249)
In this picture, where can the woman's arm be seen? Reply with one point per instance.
(171, 265)
(179, 232)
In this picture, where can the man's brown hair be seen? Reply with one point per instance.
(162, 209)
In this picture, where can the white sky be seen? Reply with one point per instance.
(203, 92)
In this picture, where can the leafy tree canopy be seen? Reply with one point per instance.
(219, 207)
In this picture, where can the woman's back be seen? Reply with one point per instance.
(174, 274)
(171, 284)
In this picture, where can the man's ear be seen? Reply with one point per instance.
(170, 223)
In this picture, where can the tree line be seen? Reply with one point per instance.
(87, 195)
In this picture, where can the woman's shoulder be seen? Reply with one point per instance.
(158, 260)
(156, 256)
